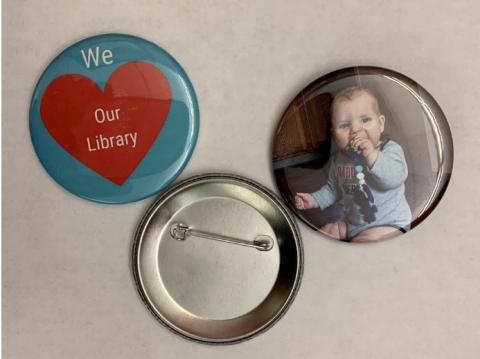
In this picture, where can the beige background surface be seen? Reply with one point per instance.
(67, 285)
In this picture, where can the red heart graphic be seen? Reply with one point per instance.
(110, 132)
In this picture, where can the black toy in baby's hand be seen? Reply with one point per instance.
(363, 195)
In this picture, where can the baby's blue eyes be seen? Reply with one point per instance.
(345, 125)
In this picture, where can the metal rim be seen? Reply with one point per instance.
(172, 190)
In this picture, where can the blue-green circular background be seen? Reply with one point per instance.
(171, 150)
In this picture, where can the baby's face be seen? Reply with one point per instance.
(356, 118)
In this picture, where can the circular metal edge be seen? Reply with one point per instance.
(151, 210)
(445, 169)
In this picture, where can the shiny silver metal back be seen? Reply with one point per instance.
(213, 283)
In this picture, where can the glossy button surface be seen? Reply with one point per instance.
(363, 154)
(114, 118)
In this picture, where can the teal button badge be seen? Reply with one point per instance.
(114, 118)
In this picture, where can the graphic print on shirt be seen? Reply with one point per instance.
(346, 176)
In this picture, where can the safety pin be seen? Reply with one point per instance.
(180, 232)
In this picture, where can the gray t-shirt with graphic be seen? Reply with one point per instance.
(386, 180)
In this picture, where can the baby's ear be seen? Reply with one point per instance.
(382, 123)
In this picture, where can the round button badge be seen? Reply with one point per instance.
(218, 258)
(114, 118)
(363, 154)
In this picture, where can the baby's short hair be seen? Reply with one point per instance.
(349, 93)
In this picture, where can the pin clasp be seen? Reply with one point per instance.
(180, 232)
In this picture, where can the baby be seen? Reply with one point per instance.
(380, 172)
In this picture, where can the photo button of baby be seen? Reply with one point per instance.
(362, 154)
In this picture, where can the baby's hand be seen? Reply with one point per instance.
(366, 148)
(305, 201)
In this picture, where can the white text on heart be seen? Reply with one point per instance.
(101, 142)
